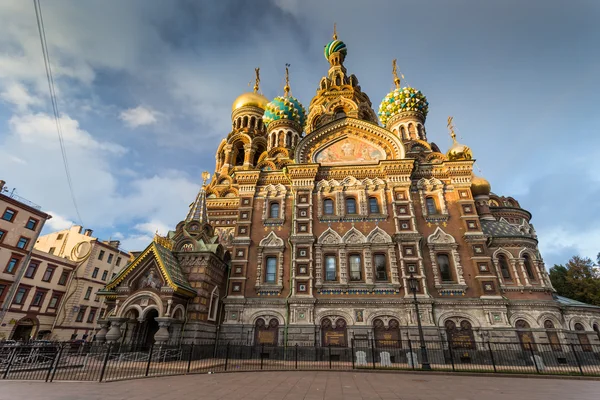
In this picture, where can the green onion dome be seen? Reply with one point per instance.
(399, 100)
(284, 107)
(333, 47)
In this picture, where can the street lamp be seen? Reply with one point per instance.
(413, 284)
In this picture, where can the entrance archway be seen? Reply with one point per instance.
(266, 334)
(143, 334)
(24, 329)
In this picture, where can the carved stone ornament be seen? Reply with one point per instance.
(330, 237)
(272, 240)
(440, 237)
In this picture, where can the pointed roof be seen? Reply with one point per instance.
(168, 266)
(198, 207)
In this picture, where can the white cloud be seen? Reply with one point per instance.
(557, 240)
(139, 116)
(57, 222)
(152, 227)
(17, 94)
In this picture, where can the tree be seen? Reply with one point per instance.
(579, 280)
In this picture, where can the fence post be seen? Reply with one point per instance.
(352, 345)
(576, 358)
(411, 354)
(226, 355)
(492, 355)
(54, 365)
(262, 351)
(106, 356)
(373, 352)
(190, 358)
(296, 356)
(13, 354)
(537, 369)
(149, 359)
(329, 346)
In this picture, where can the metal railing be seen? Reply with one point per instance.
(105, 362)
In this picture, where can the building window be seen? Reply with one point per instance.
(109, 259)
(101, 255)
(350, 205)
(52, 250)
(9, 215)
(504, 267)
(214, 305)
(31, 269)
(54, 300)
(91, 315)
(431, 207)
(443, 262)
(95, 272)
(12, 265)
(373, 205)
(355, 268)
(20, 296)
(118, 262)
(60, 236)
(2, 290)
(22, 243)
(48, 274)
(38, 297)
(63, 278)
(584, 340)
(328, 206)
(274, 210)
(104, 275)
(31, 224)
(88, 293)
(330, 268)
(528, 267)
(2, 233)
(80, 315)
(271, 272)
(380, 267)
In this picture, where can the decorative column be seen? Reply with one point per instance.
(522, 267)
(513, 263)
(248, 155)
(367, 256)
(162, 336)
(101, 334)
(114, 333)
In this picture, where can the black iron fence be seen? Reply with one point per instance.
(97, 362)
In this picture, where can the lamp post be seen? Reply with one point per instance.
(414, 285)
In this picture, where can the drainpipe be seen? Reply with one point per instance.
(289, 242)
(221, 307)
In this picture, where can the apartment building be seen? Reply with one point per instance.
(96, 262)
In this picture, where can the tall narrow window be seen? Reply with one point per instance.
(583, 338)
(373, 205)
(328, 206)
(528, 267)
(274, 210)
(88, 293)
(22, 243)
(31, 269)
(38, 297)
(355, 268)
(271, 272)
(431, 207)
(380, 267)
(20, 296)
(330, 268)
(350, 205)
(12, 265)
(504, 267)
(444, 265)
(48, 274)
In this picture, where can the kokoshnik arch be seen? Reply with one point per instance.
(313, 222)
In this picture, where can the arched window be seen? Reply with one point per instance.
(430, 205)
(333, 334)
(239, 154)
(403, 132)
(330, 268)
(528, 267)
(266, 334)
(552, 335)
(373, 205)
(271, 270)
(273, 140)
(380, 267)
(504, 268)
(597, 330)
(443, 262)
(288, 138)
(355, 267)
(584, 340)
(525, 335)
(252, 122)
(350, 205)
(214, 304)
(460, 337)
(274, 210)
(387, 336)
(420, 130)
(328, 207)
(339, 113)
(245, 123)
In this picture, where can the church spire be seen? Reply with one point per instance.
(198, 207)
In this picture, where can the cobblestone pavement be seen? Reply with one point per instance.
(308, 385)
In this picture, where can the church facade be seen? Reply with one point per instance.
(314, 221)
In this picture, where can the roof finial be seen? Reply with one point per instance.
(334, 32)
(257, 82)
(395, 73)
(205, 176)
(286, 88)
(451, 129)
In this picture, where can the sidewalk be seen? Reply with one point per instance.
(308, 385)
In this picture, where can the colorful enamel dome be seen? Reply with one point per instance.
(399, 100)
(284, 107)
(333, 47)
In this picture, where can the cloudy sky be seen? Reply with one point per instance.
(145, 90)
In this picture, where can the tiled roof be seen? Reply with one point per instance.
(172, 267)
(572, 303)
(501, 229)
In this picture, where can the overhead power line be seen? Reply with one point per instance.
(46, 56)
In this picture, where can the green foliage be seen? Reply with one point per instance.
(578, 279)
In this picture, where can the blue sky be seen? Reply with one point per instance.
(145, 90)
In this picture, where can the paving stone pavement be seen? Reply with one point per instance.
(308, 385)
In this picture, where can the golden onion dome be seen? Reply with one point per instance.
(480, 186)
(250, 99)
(459, 152)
